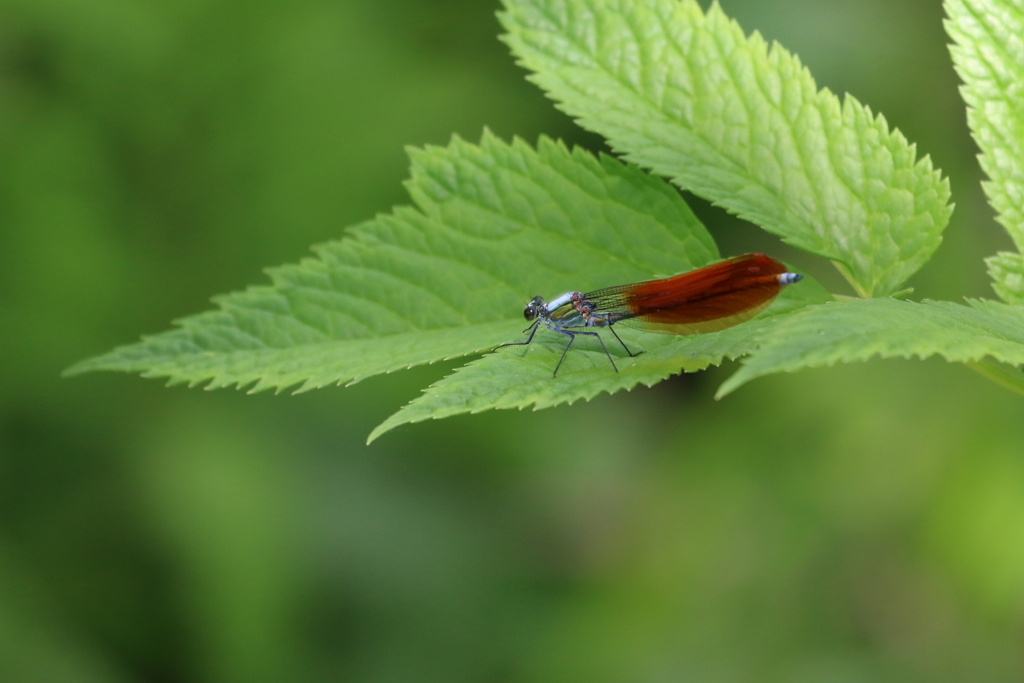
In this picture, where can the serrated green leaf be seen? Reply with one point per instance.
(989, 57)
(1007, 272)
(495, 224)
(689, 96)
(855, 331)
(520, 377)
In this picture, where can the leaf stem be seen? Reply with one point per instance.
(1008, 377)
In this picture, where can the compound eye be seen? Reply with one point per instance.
(530, 312)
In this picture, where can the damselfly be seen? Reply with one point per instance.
(704, 300)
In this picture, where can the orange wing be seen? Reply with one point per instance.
(704, 300)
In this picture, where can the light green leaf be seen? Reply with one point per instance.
(989, 57)
(520, 376)
(1007, 272)
(854, 331)
(689, 96)
(495, 224)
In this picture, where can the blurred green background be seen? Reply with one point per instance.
(861, 523)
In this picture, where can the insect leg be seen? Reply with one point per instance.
(631, 354)
(572, 338)
(532, 329)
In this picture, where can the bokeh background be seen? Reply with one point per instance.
(861, 523)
